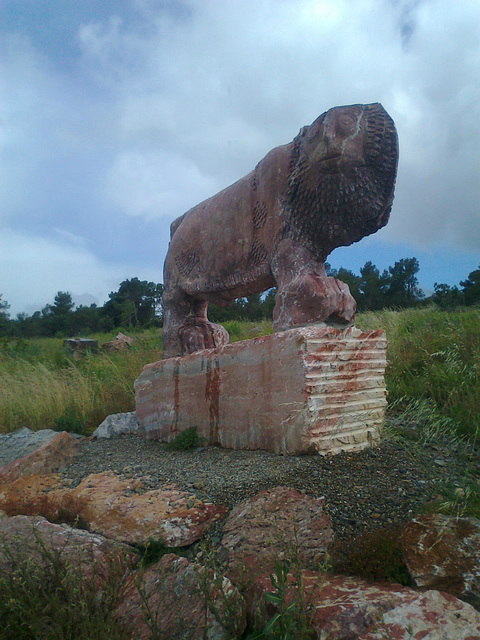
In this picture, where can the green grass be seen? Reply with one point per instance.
(434, 356)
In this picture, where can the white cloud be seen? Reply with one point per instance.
(161, 112)
(156, 184)
(33, 269)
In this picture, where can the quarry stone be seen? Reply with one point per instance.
(346, 608)
(443, 552)
(277, 524)
(35, 537)
(56, 452)
(309, 389)
(21, 442)
(122, 510)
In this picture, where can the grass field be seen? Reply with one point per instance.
(433, 363)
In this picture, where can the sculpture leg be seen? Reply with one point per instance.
(186, 328)
(306, 295)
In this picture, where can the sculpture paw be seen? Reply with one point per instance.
(198, 334)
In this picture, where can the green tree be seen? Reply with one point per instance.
(136, 303)
(372, 288)
(471, 287)
(4, 316)
(447, 297)
(63, 303)
(4, 307)
(403, 289)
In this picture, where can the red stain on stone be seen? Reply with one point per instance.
(212, 395)
(176, 391)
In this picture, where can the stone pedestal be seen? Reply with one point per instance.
(299, 391)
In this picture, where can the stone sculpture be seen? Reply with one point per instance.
(330, 187)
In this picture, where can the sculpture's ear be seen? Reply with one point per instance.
(303, 131)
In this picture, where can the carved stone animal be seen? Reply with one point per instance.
(330, 187)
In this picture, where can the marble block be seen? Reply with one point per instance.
(308, 389)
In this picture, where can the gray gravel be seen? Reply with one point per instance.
(365, 490)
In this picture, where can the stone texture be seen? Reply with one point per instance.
(279, 523)
(35, 537)
(55, 453)
(119, 343)
(22, 442)
(345, 608)
(115, 509)
(443, 552)
(175, 598)
(32, 495)
(116, 425)
(328, 188)
(304, 390)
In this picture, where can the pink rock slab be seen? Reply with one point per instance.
(344, 608)
(443, 552)
(112, 508)
(276, 524)
(298, 391)
(39, 540)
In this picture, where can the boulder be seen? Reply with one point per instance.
(39, 540)
(55, 452)
(122, 510)
(22, 442)
(306, 390)
(119, 343)
(177, 602)
(443, 552)
(116, 425)
(118, 509)
(279, 523)
(345, 608)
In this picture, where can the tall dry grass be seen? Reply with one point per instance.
(41, 385)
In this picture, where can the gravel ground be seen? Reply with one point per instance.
(365, 490)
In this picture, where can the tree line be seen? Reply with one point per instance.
(138, 304)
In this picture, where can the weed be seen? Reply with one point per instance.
(459, 499)
(52, 596)
(293, 619)
(69, 422)
(186, 440)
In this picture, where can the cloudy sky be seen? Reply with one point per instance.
(116, 116)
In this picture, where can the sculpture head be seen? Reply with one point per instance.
(343, 176)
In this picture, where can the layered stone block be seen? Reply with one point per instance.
(298, 391)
